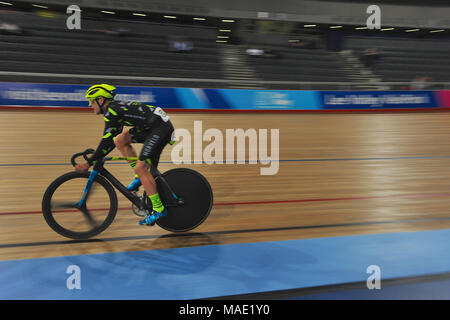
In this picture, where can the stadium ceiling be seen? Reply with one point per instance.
(320, 12)
(422, 3)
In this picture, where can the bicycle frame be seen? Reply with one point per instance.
(133, 197)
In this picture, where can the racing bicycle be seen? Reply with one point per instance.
(81, 205)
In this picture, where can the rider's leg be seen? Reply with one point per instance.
(123, 143)
(150, 154)
(149, 184)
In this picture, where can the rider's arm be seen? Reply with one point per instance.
(106, 145)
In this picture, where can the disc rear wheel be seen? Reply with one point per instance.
(194, 199)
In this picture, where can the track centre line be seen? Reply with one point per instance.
(246, 161)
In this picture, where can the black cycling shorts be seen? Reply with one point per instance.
(154, 141)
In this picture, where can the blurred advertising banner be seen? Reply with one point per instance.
(377, 99)
(72, 96)
(245, 99)
(57, 95)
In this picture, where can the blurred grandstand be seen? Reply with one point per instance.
(156, 49)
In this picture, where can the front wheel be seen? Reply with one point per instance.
(62, 212)
(196, 195)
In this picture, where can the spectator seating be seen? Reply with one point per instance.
(91, 51)
(404, 59)
(297, 64)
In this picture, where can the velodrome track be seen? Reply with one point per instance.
(352, 190)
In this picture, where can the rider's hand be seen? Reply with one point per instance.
(82, 167)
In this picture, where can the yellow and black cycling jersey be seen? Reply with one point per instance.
(141, 116)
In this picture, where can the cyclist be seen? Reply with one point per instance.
(150, 126)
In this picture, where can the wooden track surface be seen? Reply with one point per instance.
(339, 174)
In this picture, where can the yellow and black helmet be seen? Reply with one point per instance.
(101, 90)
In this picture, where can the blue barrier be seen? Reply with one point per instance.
(377, 99)
(37, 95)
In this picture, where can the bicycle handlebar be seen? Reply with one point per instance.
(84, 154)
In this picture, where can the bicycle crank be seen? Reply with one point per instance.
(137, 211)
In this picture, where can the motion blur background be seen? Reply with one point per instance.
(353, 189)
(272, 45)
